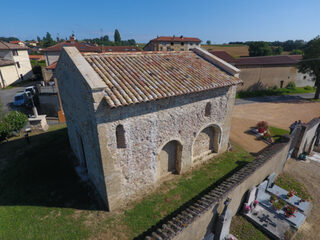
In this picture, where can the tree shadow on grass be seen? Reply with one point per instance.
(42, 173)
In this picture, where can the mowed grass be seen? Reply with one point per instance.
(274, 92)
(288, 183)
(41, 196)
(173, 194)
(277, 133)
(244, 230)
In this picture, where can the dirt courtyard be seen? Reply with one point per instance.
(281, 115)
(277, 114)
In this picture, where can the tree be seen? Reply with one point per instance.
(259, 49)
(277, 50)
(296, 52)
(47, 41)
(310, 62)
(117, 37)
(208, 42)
(16, 120)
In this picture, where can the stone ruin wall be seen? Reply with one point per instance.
(148, 127)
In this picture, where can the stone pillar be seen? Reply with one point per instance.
(39, 124)
(224, 221)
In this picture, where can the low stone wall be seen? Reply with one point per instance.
(304, 137)
(197, 219)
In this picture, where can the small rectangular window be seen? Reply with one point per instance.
(18, 64)
(14, 52)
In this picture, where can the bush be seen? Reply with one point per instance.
(16, 120)
(275, 87)
(308, 88)
(4, 130)
(291, 85)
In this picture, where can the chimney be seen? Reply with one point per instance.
(72, 38)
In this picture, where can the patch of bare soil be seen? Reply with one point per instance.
(279, 115)
(309, 175)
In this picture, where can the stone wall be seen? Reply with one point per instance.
(78, 102)
(148, 127)
(197, 220)
(306, 137)
(255, 78)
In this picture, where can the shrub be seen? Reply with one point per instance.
(308, 88)
(4, 130)
(291, 85)
(275, 87)
(16, 120)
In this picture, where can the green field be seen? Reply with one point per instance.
(274, 92)
(41, 197)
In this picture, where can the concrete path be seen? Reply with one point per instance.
(7, 97)
(297, 96)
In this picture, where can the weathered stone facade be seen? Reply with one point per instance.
(127, 150)
(150, 126)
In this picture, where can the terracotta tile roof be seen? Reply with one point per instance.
(268, 60)
(175, 39)
(5, 62)
(37, 57)
(10, 46)
(224, 56)
(82, 47)
(52, 66)
(120, 49)
(147, 76)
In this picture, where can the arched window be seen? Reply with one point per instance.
(207, 111)
(121, 140)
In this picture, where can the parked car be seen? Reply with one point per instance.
(22, 98)
(32, 89)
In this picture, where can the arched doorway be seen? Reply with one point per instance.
(206, 142)
(170, 158)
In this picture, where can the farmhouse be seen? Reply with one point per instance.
(267, 71)
(135, 118)
(172, 44)
(14, 63)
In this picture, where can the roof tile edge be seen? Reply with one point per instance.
(92, 78)
(217, 61)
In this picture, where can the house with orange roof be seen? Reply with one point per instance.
(172, 43)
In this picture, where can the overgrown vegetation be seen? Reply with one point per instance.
(244, 230)
(274, 92)
(12, 121)
(42, 198)
(288, 183)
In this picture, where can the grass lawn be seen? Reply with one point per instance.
(42, 198)
(276, 133)
(288, 182)
(244, 230)
(274, 92)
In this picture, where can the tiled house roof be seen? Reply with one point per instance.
(224, 56)
(268, 60)
(5, 62)
(147, 76)
(120, 49)
(10, 46)
(82, 47)
(175, 39)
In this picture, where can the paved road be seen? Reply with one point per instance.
(7, 97)
(296, 96)
(49, 104)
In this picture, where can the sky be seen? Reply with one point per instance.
(219, 21)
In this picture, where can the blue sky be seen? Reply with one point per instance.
(216, 20)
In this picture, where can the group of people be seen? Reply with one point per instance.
(293, 125)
